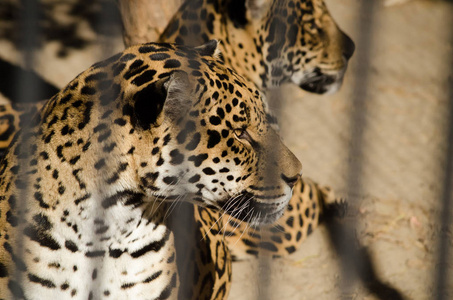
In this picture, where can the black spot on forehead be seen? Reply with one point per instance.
(137, 63)
(209, 171)
(176, 157)
(220, 112)
(99, 164)
(129, 56)
(194, 64)
(159, 56)
(170, 180)
(193, 142)
(230, 88)
(194, 178)
(198, 159)
(143, 78)
(214, 120)
(167, 139)
(153, 48)
(214, 138)
(135, 69)
(172, 63)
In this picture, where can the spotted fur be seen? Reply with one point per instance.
(250, 32)
(270, 42)
(87, 184)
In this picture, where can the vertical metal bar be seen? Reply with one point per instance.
(443, 276)
(358, 116)
(27, 90)
(28, 84)
(264, 267)
(109, 14)
(105, 17)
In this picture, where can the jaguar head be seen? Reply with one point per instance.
(207, 137)
(301, 43)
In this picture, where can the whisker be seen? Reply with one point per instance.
(168, 187)
(226, 224)
(225, 209)
(230, 215)
(218, 219)
(242, 207)
(173, 206)
(246, 225)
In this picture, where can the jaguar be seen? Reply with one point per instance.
(273, 43)
(86, 185)
(270, 43)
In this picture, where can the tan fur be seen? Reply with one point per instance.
(86, 189)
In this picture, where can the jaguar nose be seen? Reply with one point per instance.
(348, 46)
(291, 181)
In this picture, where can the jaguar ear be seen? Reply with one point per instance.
(257, 9)
(165, 98)
(179, 95)
(211, 48)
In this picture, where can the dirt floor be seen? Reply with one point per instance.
(404, 157)
(404, 152)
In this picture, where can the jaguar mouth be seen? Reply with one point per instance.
(245, 208)
(321, 83)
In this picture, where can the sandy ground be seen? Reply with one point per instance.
(398, 215)
(404, 153)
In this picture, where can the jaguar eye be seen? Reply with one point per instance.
(242, 134)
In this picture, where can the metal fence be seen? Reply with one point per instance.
(356, 262)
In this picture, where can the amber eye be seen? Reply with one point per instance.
(242, 134)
